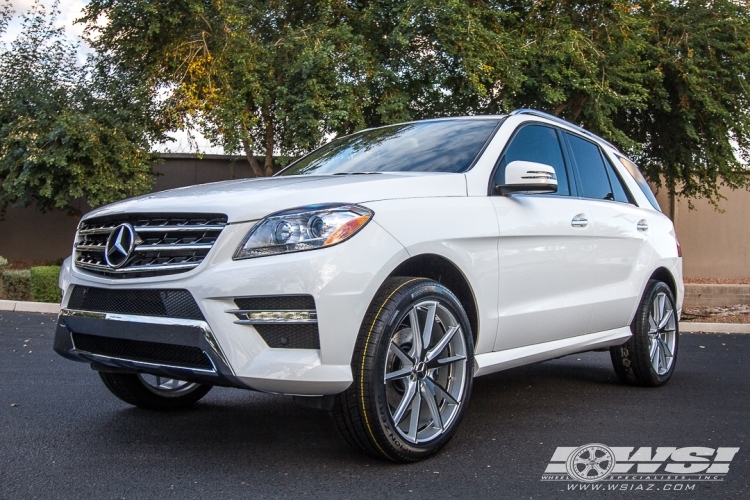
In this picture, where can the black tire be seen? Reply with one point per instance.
(633, 360)
(364, 413)
(132, 389)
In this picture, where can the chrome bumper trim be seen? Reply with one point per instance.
(176, 331)
(208, 335)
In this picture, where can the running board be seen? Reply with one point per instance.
(492, 362)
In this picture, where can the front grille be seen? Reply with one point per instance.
(290, 336)
(166, 303)
(149, 352)
(164, 243)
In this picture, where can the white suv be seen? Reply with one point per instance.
(377, 276)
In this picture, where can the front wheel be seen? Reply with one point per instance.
(152, 392)
(412, 369)
(648, 358)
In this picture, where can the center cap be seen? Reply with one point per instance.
(420, 370)
(119, 246)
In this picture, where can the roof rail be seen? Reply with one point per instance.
(542, 114)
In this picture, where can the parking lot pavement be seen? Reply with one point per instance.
(62, 435)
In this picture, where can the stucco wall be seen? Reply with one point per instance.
(714, 244)
(29, 234)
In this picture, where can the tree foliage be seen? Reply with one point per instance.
(666, 80)
(69, 129)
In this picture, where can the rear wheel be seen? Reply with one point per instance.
(152, 392)
(648, 358)
(412, 369)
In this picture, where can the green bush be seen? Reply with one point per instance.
(17, 285)
(44, 283)
(3, 264)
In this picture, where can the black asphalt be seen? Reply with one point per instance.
(69, 438)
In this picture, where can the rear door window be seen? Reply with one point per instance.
(592, 172)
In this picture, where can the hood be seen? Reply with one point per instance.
(250, 199)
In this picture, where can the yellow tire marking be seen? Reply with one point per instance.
(362, 365)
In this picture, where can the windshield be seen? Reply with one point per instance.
(430, 146)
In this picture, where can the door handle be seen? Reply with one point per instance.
(642, 225)
(579, 220)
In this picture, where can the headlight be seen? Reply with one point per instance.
(304, 228)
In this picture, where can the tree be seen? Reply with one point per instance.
(253, 75)
(69, 130)
(665, 80)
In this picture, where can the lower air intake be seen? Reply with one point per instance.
(290, 336)
(148, 352)
(166, 303)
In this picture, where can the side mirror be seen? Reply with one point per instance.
(528, 177)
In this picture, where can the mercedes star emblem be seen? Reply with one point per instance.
(119, 246)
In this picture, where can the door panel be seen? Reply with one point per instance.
(622, 250)
(621, 257)
(544, 265)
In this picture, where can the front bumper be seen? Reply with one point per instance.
(342, 279)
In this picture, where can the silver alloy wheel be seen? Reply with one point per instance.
(426, 372)
(167, 387)
(662, 333)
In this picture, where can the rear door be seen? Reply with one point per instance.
(621, 231)
(545, 249)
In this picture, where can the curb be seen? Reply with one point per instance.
(33, 307)
(690, 327)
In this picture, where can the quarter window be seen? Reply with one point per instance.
(539, 144)
(618, 189)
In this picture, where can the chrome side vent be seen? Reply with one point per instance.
(143, 245)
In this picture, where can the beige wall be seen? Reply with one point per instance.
(28, 234)
(714, 244)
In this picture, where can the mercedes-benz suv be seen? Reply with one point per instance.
(378, 275)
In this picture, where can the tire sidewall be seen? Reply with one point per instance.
(640, 331)
(399, 308)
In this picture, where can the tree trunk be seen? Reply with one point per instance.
(574, 103)
(251, 159)
(268, 122)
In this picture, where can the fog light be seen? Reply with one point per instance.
(246, 317)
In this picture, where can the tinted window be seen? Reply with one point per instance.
(431, 146)
(591, 169)
(538, 144)
(619, 190)
(633, 170)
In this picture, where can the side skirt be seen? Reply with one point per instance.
(492, 362)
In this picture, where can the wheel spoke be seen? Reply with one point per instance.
(435, 351)
(404, 372)
(652, 326)
(655, 355)
(662, 300)
(662, 356)
(429, 323)
(411, 390)
(665, 320)
(400, 354)
(437, 388)
(450, 360)
(416, 408)
(429, 398)
(416, 333)
(665, 348)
